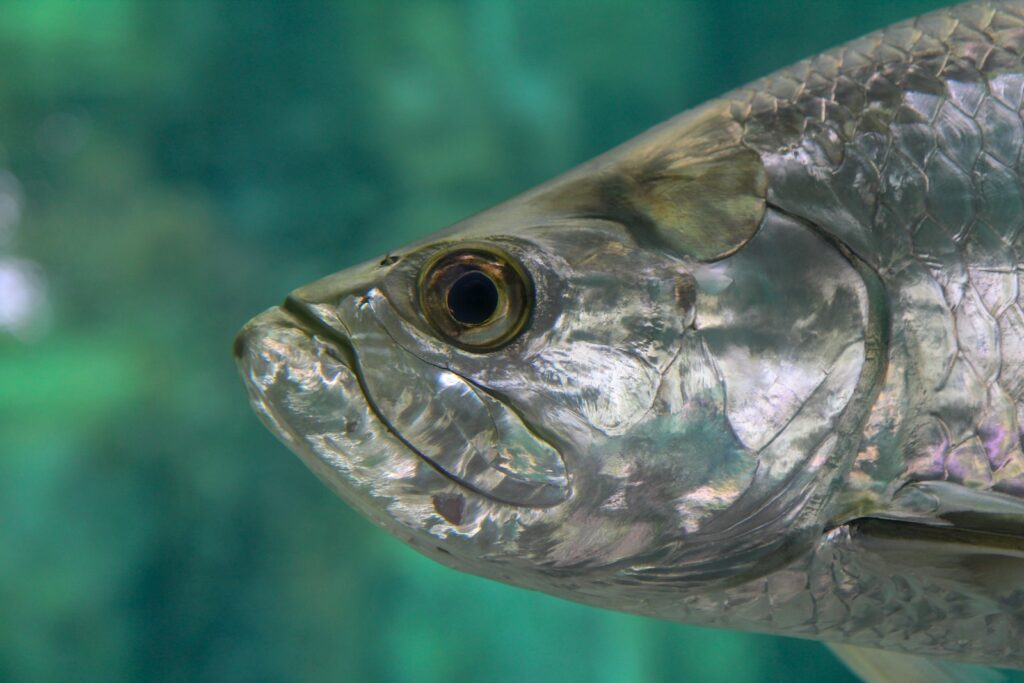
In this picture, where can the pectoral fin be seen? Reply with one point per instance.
(949, 532)
(943, 559)
(880, 666)
(952, 506)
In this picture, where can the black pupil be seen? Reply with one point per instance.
(472, 298)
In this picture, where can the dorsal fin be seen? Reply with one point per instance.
(690, 185)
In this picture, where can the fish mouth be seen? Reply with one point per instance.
(279, 340)
(303, 383)
(297, 314)
(283, 351)
(291, 355)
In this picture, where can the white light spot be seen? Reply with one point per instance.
(23, 303)
(448, 379)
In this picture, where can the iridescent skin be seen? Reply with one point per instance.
(773, 377)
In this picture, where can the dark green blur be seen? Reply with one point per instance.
(169, 169)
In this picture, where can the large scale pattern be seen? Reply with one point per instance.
(908, 145)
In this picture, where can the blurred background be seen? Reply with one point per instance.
(169, 169)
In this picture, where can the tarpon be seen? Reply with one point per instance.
(761, 367)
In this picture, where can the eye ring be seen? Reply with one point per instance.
(475, 296)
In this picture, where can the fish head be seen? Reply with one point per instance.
(476, 390)
(537, 395)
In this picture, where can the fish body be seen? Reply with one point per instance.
(761, 367)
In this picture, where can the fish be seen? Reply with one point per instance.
(759, 368)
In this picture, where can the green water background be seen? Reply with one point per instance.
(167, 170)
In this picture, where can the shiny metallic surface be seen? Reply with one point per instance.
(772, 376)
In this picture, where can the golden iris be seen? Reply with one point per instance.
(475, 296)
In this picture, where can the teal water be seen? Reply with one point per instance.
(169, 169)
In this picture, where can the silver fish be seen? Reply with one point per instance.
(761, 367)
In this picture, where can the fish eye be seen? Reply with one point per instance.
(475, 296)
